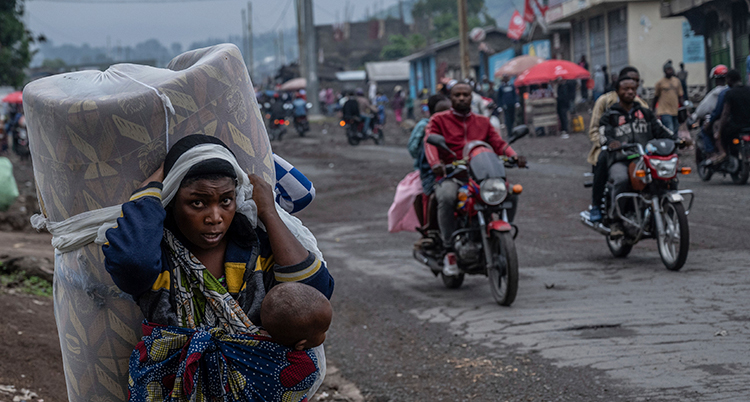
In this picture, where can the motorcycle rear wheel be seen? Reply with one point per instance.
(674, 243)
(378, 137)
(618, 247)
(744, 173)
(504, 287)
(351, 137)
(272, 134)
(452, 282)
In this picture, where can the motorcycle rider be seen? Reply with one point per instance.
(300, 106)
(597, 158)
(708, 104)
(735, 115)
(277, 108)
(626, 122)
(366, 110)
(458, 126)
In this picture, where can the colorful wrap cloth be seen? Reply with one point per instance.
(180, 364)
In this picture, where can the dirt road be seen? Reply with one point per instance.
(614, 330)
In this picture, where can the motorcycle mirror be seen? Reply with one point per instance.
(308, 105)
(518, 133)
(439, 141)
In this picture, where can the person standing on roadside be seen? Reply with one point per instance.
(682, 75)
(668, 97)
(507, 99)
(397, 104)
(599, 82)
(584, 83)
(563, 106)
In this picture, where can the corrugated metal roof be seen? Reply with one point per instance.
(382, 71)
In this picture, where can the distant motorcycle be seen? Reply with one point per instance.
(736, 164)
(356, 132)
(653, 209)
(485, 240)
(276, 128)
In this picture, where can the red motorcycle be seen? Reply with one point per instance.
(484, 241)
(654, 208)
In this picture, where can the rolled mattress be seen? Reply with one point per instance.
(94, 137)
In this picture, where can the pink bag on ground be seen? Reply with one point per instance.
(401, 214)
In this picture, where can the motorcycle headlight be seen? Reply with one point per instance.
(493, 191)
(666, 168)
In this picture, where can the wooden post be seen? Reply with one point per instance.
(463, 39)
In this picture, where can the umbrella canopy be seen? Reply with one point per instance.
(551, 70)
(518, 65)
(294, 84)
(13, 97)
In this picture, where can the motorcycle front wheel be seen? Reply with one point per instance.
(619, 247)
(704, 172)
(675, 241)
(504, 285)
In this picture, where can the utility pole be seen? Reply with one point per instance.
(250, 44)
(301, 37)
(281, 47)
(463, 39)
(312, 59)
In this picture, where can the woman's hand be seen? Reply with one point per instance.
(158, 175)
(263, 196)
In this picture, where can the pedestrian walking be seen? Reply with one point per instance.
(410, 107)
(563, 106)
(397, 104)
(584, 83)
(599, 82)
(668, 97)
(683, 75)
(507, 99)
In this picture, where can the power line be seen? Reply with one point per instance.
(126, 1)
(281, 17)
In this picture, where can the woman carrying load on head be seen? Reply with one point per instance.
(199, 270)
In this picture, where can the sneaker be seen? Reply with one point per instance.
(564, 135)
(450, 267)
(595, 214)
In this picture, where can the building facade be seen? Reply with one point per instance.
(618, 33)
(725, 25)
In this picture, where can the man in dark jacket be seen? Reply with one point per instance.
(626, 122)
(507, 99)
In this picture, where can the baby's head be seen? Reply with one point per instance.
(296, 315)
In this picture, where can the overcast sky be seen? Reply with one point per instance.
(178, 21)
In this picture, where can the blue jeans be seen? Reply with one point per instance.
(708, 142)
(670, 122)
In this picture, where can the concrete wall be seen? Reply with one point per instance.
(652, 44)
(360, 42)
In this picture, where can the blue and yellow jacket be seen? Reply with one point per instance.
(137, 260)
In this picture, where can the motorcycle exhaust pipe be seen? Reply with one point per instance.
(596, 226)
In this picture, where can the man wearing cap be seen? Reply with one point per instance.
(668, 97)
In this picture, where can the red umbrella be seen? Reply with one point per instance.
(550, 70)
(13, 97)
(518, 65)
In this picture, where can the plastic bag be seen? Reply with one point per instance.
(8, 187)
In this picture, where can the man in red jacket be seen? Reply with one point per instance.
(459, 126)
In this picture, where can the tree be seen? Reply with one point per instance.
(442, 16)
(15, 54)
(401, 46)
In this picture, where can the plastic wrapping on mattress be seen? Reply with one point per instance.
(94, 137)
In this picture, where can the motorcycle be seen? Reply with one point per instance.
(356, 132)
(736, 164)
(302, 125)
(276, 128)
(484, 241)
(653, 209)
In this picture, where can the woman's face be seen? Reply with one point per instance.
(204, 209)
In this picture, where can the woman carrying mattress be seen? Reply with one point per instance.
(199, 269)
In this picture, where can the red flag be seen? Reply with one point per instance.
(528, 12)
(542, 9)
(517, 26)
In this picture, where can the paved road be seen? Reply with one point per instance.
(585, 326)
